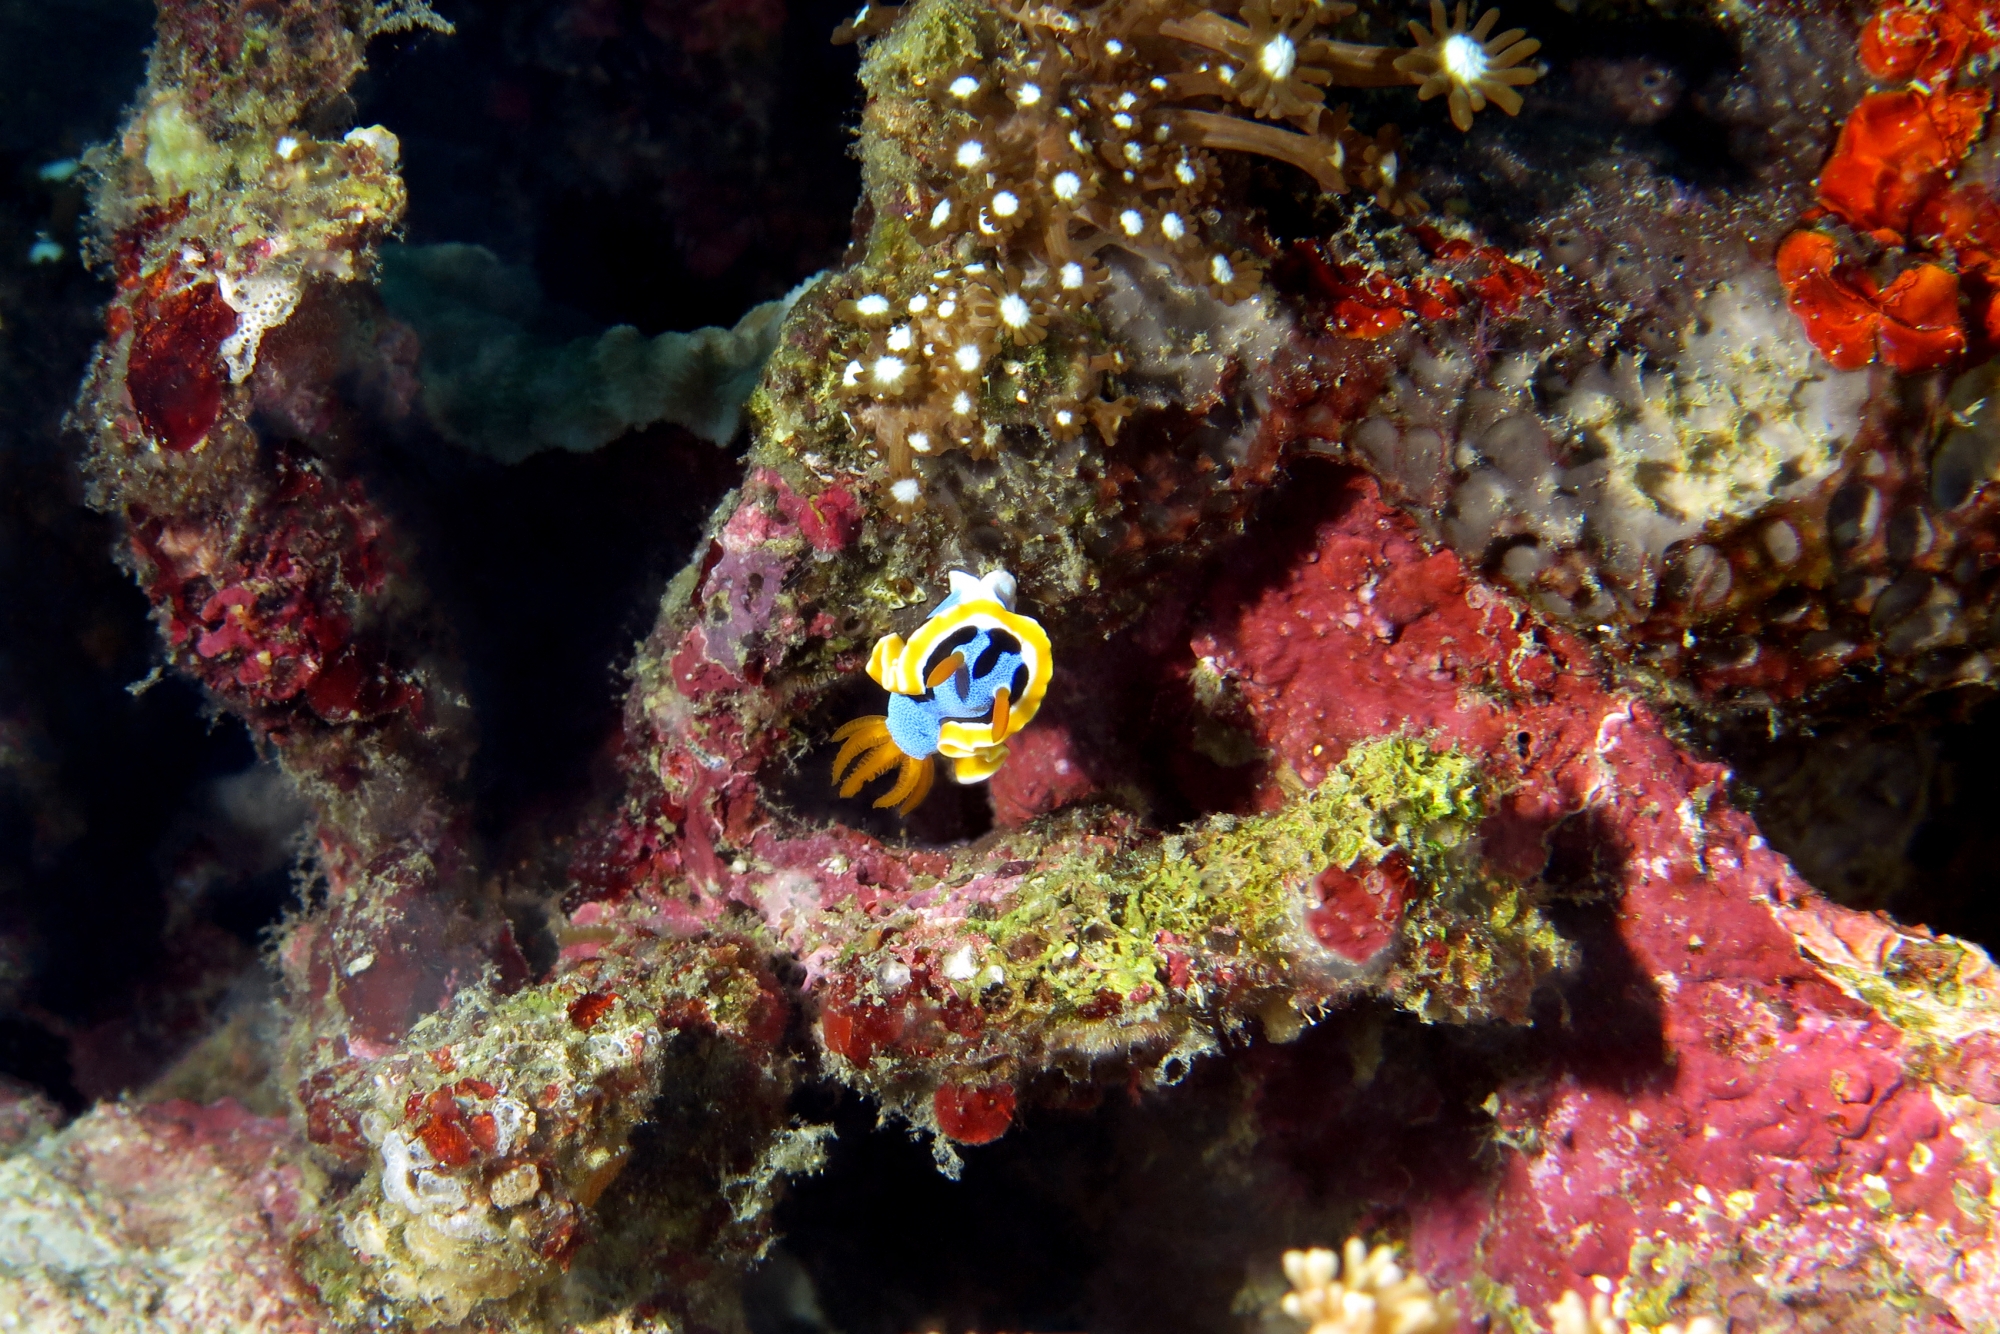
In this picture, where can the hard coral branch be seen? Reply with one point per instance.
(1362, 1290)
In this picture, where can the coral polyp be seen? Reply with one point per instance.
(1468, 66)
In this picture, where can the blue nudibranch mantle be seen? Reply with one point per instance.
(972, 675)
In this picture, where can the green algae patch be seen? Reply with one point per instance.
(1665, 1282)
(1498, 1302)
(1094, 935)
(181, 158)
(933, 41)
(1137, 952)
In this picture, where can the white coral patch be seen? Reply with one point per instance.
(1744, 412)
(959, 965)
(515, 1187)
(400, 1157)
(905, 491)
(971, 154)
(1014, 311)
(376, 140)
(514, 1122)
(261, 303)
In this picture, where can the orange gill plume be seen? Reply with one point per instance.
(867, 747)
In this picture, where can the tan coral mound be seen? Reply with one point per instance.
(1367, 1294)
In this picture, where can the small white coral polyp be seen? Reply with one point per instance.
(1364, 1292)
(1571, 1316)
(1092, 130)
(1470, 67)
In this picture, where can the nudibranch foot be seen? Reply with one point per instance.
(971, 675)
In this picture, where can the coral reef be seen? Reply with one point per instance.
(271, 573)
(172, 1216)
(1306, 771)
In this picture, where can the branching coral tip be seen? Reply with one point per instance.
(972, 675)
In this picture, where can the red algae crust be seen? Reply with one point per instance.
(1787, 1136)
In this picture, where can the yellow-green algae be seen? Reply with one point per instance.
(1093, 925)
(1498, 1302)
(1103, 923)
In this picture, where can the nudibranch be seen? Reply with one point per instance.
(972, 675)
